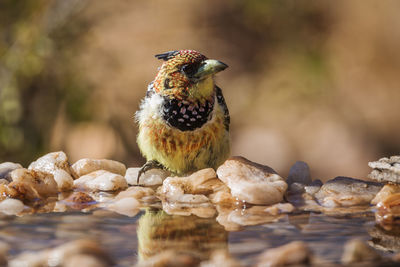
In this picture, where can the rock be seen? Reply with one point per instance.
(294, 253)
(143, 194)
(385, 240)
(79, 200)
(128, 206)
(86, 166)
(63, 254)
(6, 168)
(84, 260)
(386, 169)
(356, 251)
(101, 181)
(171, 258)
(55, 163)
(299, 173)
(11, 206)
(314, 187)
(149, 178)
(42, 182)
(252, 182)
(386, 191)
(189, 195)
(388, 210)
(345, 191)
(220, 258)
(128, 202)
(64, 180)
(4, 248)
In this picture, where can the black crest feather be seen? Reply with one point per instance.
(167, 55)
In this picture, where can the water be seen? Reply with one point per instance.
(128, 239)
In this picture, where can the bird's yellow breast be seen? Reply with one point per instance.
(185, 151)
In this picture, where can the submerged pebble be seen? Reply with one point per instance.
(86, 166)
(356, 251)
(252, 182)
(294, 253)
(101, 181)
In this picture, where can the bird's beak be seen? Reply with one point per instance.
(209, 67)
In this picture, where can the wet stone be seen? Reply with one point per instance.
(55, 163)
(35, 183)
(356, 251)
(388, 210)
(11, 206)
(6, 168)
(345, 191)
(314, 187)
(386, 191)
(189, 195)
(79, 200)
(252, 182)
(386, 169)
(101, 181)
(62, 255)
(294, 253)
(299, 173)
(220, 258)
(149, 178)
(86, 166)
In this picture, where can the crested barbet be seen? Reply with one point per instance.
(183, 120)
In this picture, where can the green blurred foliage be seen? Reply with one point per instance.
(37, 74)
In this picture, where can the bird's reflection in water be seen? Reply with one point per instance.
(158, 231)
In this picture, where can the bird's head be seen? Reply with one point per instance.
(187, 75)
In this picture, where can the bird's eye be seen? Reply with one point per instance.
(189, 69)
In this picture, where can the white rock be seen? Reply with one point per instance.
(149, 178)
(51, 162)
(57, 164)
(101, 181)
(252, 182)
(86, 166)
(11, 206)
(6, 168)
(128, 206)
(64, 180)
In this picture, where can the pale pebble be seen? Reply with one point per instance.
(86, 166)
(11, 206)
(51, 162)
(294, 253)
(128, 206)
(101, 181)
(151, 177)
(252, 182)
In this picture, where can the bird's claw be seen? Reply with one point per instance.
(151, 164)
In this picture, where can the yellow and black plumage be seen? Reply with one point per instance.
(183, 120)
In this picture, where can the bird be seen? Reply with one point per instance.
(183, 119)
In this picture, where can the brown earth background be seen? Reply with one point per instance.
(317, 81)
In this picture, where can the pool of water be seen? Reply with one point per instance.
(129, 239)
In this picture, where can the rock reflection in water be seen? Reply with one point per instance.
(157, 231)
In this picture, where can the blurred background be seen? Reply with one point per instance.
(316, 81)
